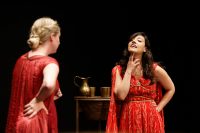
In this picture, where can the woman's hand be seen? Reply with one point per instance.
(58, 95)
(33, 107)
(132, 64)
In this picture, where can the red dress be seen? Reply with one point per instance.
(137, 113)
(26, 82)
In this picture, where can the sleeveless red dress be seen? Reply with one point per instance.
(137, 113)
(26, 82)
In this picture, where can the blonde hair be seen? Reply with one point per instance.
(41, 31)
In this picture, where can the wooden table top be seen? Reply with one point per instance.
(94, 98)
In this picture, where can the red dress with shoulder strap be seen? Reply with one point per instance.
(137, 113)
(26, 82)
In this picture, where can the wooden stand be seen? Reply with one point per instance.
(95, 108)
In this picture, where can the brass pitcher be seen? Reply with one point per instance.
(84, 88)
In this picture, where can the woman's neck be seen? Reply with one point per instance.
(41, 50)
(138, 56)
(38, 51)
(139, 70)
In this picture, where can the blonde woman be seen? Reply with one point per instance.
(34, 84)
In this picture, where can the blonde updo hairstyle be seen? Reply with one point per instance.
(41, 31)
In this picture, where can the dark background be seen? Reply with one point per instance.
(93, 35)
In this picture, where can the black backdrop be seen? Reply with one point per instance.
(93, 35)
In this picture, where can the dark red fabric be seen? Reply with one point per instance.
(137, 113)
(26, 82)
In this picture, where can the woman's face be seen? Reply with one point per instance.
(137, 45)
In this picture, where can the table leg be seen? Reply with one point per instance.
(77, 116)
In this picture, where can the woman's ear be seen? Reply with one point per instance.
(51, 37)
(145, 49)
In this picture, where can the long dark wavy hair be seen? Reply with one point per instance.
(147, 58)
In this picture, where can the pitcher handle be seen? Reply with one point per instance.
(75, 81)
